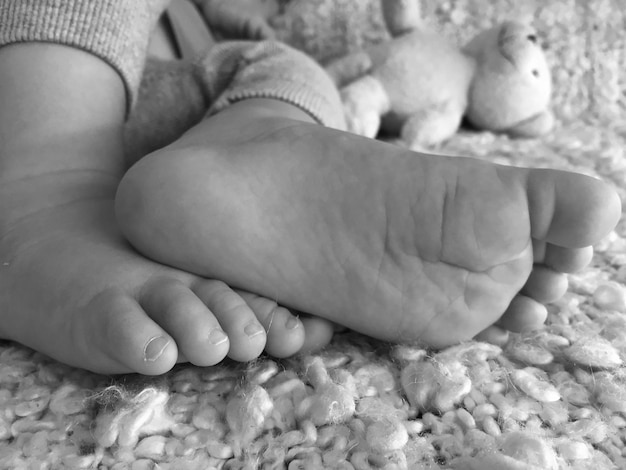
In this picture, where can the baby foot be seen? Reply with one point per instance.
(70, 285)
(394, 244)
(71, 288)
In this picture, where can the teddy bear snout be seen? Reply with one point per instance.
(517, 41)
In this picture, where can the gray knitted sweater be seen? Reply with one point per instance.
(118, 31)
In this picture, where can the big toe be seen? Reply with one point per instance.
(115, 335)
(569, 209)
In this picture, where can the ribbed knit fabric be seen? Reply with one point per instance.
(239, 70)
(117, 31)
(175, 95)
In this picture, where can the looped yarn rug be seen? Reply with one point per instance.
(551, 399)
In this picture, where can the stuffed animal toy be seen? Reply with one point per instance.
(416, 84)
(420, 87)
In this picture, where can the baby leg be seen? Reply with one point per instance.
(70, 285)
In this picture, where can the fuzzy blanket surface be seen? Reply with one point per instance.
(550, 399)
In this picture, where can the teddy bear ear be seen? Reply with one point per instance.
(401, 16)
(537, 125)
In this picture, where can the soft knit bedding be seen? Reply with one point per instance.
(552, 399)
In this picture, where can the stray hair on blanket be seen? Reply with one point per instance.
(124, 415)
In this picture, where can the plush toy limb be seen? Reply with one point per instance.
(240, 19)
(239, 70)
(535, 126)
(428, 128)
(364, 102)
(401, 16)
(350, 67)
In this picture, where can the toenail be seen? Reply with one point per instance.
(292, 323)
(154, 348)
(253, 329)
(217, 337)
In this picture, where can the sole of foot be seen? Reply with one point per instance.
(397, 245)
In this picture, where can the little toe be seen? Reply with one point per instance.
(246, 334)
(567, 260)
(545, 285)
(115, 335)
(285, 332)
(184, 316)
(523, 314)
(319, 333)
(494, 335)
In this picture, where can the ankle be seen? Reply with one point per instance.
(53, 87)
(60, 109)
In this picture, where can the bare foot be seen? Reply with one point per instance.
(70, 285)
(72, 288)
(394, 244)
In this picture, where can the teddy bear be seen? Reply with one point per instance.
(417, 85)
(420, 87)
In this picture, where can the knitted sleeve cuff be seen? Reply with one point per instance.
(115, 30)
(235, 71)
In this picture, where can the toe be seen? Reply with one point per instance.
(494, 335)
(545, 285)
(539, 250)
(523, 314)
(187, 319)
(570, 210)
(567, 260)
(246, 334)
(285, 332)
(319, 333)
(115, 335)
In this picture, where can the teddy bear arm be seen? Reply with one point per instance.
(349, 68)
(364, 102)
(427, 128)
(239, 18)
(535, 126)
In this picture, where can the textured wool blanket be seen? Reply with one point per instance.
(550, 399)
